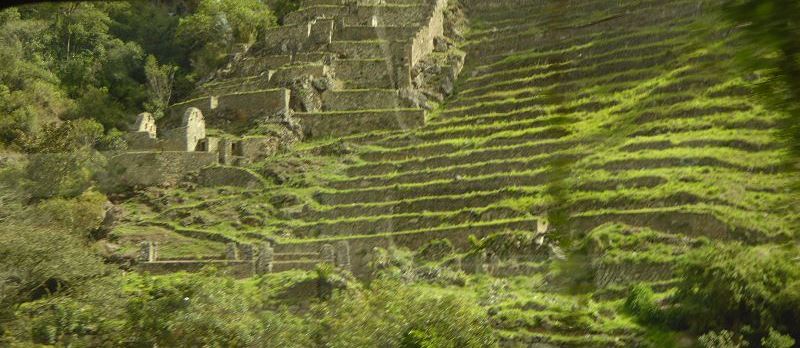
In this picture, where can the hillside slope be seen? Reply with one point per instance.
(628, 116)
(637, 102)
(636, 105)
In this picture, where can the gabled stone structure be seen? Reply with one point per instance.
(143, 134)
(189, 134)
(145, 123)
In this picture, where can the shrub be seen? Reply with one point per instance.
(733, 286)
(191, 310)
(721, 339)
(436, 249)
(642, 304)
(776, 340)
(63, 162)
(390, 314)
(81, 215)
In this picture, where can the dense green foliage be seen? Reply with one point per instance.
(773, 52)
(217, 26)
(108, 61)
(730, 290)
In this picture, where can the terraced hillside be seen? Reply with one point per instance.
(635, 100)
(627, 115)
(634, 104)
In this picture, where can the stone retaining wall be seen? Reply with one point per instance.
(236, 107)
(298, 35)
(155, 168)
(236, 268)
(316, 125)
(422, 43)
(370, 99)
(230, 176)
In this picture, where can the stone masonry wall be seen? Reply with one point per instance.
(236, 108)
(154, 168)
(346, 123)
(422, 44)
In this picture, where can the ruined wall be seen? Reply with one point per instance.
(360, 100)
(188, 135)
(367, 73)
(388, 16)
(361, 33)
(298, 35)
(230, 176)
(238, 269)
(154, 168)
(233, 108)
(304, 15)
(258, 148)
(287, 75)
(251, 66)
(422, 43)
(362, 246)
(482, 5)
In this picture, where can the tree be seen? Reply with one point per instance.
(63, 160)
(159, 81)
(217, 25)
(40, 259)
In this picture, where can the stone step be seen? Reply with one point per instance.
(445, 155)
(422, 204)
(366, 225)
(454, 186)
(360, 99)
(341, 123)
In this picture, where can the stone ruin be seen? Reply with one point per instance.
(144, 136)
(245, 260)
(189, 134)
